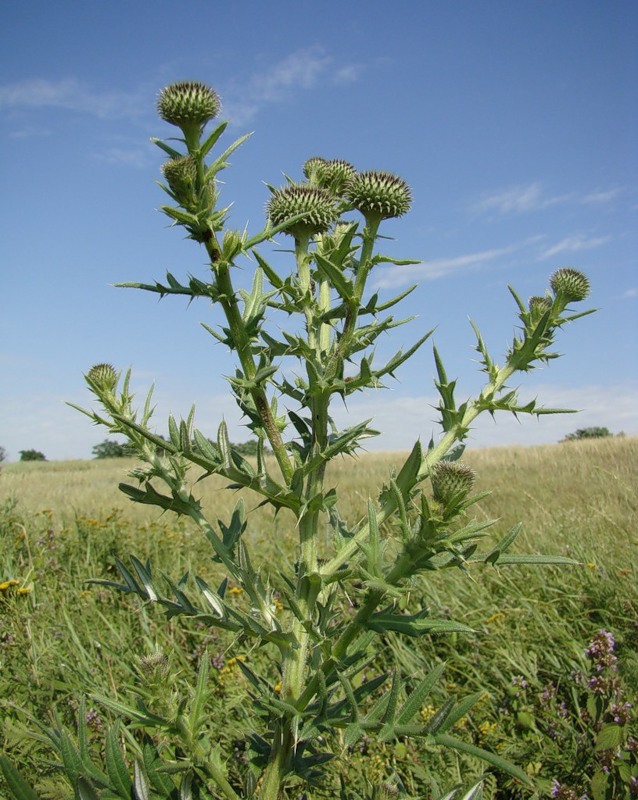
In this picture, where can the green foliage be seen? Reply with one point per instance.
(3, 454)
(51, 658)
(302, 339)
(587, 433)
(249, 448)
(109, 448)
(32, 455)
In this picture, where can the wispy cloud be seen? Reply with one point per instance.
(517, 200)
(126, 156)
(572, 244)
(534, 197)
(430, 270)
(630, 293)
(403, 418)
(301, 70)
(600, 196)
(69, 94)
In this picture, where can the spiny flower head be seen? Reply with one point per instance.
(379, 193)
(332, 175)
(155, 665)
(572, 284)
(103, 376)
(539, 305)
(315, 204)
(451, 479)
(181, 176)
(188, 103)
(312, 166)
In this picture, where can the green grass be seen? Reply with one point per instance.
(63, 523)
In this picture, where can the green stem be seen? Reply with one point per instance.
(343, 347)
(242, 344)
(432, 457)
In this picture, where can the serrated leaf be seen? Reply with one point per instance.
(459, 711)
(140, 783)
(527, 558)
(415, 700)
(609, 737)
(599, 784)
(445, 740)
(20, 789)
(144, 574)
(115, 765)
(85, 790)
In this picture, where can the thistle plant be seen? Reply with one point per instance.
(303, 340)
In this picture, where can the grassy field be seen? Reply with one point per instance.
(62, 523)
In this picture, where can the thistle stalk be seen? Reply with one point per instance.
(399, 539)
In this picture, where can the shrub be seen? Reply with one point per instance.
(32, 455)
(587, 433)
(109, 448)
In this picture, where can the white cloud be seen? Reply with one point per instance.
(388, 277)
(517, 200)
(403, 419)
(46, 423)
(572, 244)
(69, 94)
(301, 70)
(126, 156)
(630, 293)
(600, 196)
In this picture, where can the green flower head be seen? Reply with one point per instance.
(379, 193)
(103, 376)
(315, 204)
(188, 103)
(312, 168)
(332, 175)
(181, 176)
(572, 284)
(451, 479)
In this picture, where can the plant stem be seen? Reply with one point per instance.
(242, 344)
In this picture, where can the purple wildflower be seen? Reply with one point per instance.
(601, 650)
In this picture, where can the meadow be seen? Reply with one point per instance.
(550, 689)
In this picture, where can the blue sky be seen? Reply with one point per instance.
(513, 122)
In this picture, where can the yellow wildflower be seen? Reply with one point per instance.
(427, 712)
(8, 584)
(235, 590)
(486, 728)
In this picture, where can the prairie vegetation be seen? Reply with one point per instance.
(63, 523)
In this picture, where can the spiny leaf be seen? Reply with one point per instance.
(418, 695)
(115, 765)
(18, 786)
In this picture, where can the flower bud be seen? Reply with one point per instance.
(154, 666)
(333, 175)
(572, 284)
(188, 103)
(181, 176)
(311, 168)
(539, 305)
(450, 480)
(379, 193)
(103, 376)
(316, 204)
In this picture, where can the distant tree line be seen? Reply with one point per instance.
(109, 448)
(589, 433)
